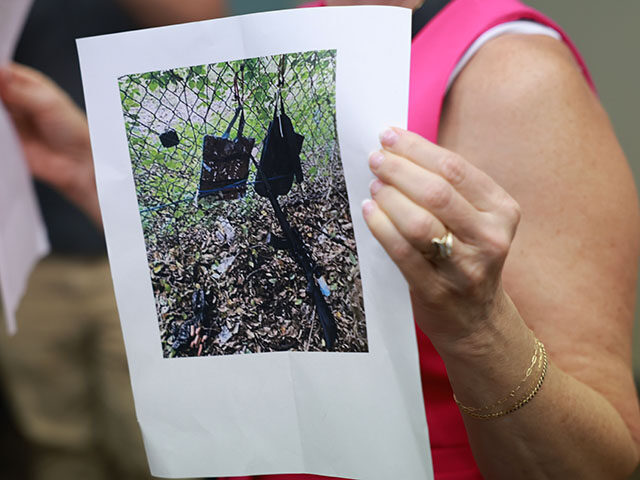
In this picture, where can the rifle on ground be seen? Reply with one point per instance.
(296, 248)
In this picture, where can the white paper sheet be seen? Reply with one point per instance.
(354, 415)
(23, 237)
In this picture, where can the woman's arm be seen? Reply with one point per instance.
(541, 134)
(54, 135)
(522, 112)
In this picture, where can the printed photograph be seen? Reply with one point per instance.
(244, 206)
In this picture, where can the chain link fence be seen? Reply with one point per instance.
(219, 248)
(196, 101)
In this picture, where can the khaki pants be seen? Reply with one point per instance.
(66, 375)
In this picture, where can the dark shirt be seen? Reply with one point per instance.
(425, 14)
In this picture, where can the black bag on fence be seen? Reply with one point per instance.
(280, 158)
(225, 163)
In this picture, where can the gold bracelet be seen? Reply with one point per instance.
(542, 365)
(534, 359)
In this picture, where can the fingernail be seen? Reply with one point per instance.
(367, 207)
(376, 159)
(375, 186)
(388, 137)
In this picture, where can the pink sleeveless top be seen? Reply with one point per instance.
(435, 51)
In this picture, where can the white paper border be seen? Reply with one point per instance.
(349, 415)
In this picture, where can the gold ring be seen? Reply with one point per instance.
(443, 245)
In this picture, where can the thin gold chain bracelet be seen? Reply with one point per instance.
(543, 365)
(534, 359)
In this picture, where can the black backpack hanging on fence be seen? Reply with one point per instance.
(280, 158)
(225, 162)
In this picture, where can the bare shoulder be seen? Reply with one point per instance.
(522, 111)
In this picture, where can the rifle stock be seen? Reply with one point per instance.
(299, 254)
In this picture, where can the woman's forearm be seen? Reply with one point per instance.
(566, 431)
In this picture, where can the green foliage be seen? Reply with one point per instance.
(199, 100)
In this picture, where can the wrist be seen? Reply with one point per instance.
(499, 323)
(485, 364)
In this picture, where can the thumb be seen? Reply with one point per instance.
(28, 92)
(6, 75)
(34, 99)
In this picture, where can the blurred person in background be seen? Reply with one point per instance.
(65, 372)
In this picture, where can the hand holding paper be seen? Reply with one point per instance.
(54, 135)
(424, 193)
(226, 296)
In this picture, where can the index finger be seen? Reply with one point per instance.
(473, 184)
